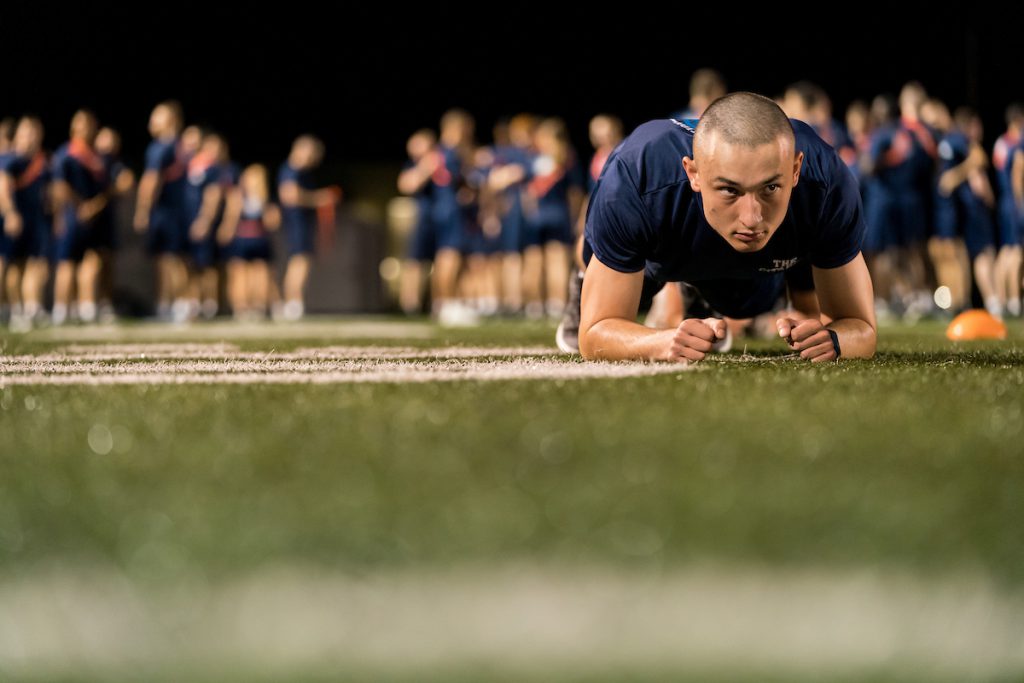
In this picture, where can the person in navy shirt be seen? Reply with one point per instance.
(728, 205)
(706, 86)
(507, 179)
(249, 217)
(80, 185)
(299, 201)
(208, 178)
(1007, 150)
(964, 234)
(103, 237)
(415, 181)
(24, 197)
(6, 135)
(160, 208)
(552, 199)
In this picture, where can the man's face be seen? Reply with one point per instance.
(745, 190)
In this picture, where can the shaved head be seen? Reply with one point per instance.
(742, 118)
(745, 165)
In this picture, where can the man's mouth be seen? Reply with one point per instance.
(749, 235)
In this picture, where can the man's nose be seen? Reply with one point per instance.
(750, 211)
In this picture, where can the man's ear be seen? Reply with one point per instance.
(798, 163)
(690, 166)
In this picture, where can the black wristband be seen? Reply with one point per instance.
(835, 341)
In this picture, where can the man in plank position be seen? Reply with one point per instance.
(737, 206)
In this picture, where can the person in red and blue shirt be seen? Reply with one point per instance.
(160, 208)
(80, 188)
(552, 198)
(916, 206)
(24, 199)
(208, 176)
(249, 217)
(450, 197)
(299, 201)
(508, 178)
(728, 205)
(962, 208)
(1009, 148)
(891, 198)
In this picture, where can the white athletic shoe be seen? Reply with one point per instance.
(293, 310)
(208, 309)
(87, 311)
(456, 314)
(60, 314)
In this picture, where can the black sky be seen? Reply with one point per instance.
(367, 79)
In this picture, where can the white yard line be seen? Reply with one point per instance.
(520, 617)
(325, 328)
(269, 369)
(132, 352)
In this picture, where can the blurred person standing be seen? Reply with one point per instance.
(24, 199)
(208, 177)
(249, 217)
(416, 181)
(1008, 150)
(80, 187)
(554, 192)
(300, 200)
(103, 238)
(160, 209)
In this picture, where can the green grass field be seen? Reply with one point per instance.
(751, 519)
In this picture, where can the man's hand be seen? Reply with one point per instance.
(694, 338)
(809, 337)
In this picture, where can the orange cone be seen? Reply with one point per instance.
(976, 324)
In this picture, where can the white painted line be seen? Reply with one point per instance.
(272, 370)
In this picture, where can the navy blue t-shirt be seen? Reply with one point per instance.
(31, 176)
(87, 176)
(296, 217)
(165, 157)
(644, 215)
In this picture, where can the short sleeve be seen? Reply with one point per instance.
(58, 167)
(287, 174)
(155, 157)
(841, 226)
(618, 227)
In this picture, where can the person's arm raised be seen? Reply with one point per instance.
(608, 327)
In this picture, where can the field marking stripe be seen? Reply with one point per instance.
(323, 372)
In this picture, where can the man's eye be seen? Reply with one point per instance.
(729, 190)
(771, 188)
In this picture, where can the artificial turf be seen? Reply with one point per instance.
(913, 461)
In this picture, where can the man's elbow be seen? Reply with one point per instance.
(587, 343)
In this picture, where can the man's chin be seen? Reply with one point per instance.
(743, 242)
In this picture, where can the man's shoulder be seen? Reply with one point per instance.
(653, 153)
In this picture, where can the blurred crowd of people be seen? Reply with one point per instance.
(203, 217)
(497, 222)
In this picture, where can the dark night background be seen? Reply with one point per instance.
(365, 80)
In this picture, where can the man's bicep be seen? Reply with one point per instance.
(609, 293)
(846, 291)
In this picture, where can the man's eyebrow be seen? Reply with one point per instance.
(720, 179)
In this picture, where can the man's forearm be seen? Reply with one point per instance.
(857, 339)
(620, 339)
